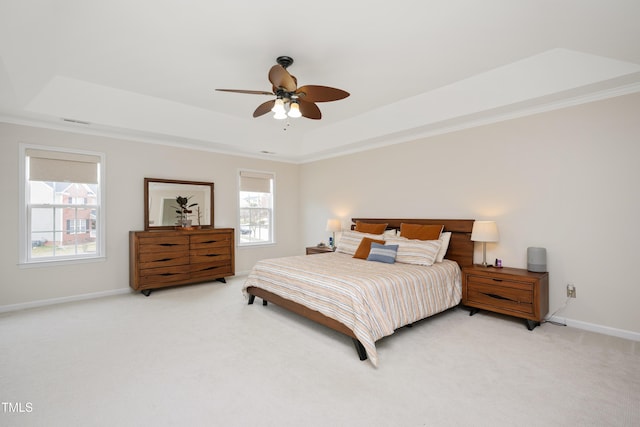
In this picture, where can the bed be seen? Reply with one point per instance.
(362, 299)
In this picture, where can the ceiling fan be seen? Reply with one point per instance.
(291, 100)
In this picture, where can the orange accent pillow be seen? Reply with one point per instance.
(420, 231)
(365, 227)
(365, 247)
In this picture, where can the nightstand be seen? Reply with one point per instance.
(511, 291)
(318, 250)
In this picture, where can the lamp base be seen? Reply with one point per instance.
(484, 255)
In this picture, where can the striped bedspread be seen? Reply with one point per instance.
(371, 298)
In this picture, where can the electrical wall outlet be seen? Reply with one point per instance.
(571, 290)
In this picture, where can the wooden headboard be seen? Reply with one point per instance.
(460, 247)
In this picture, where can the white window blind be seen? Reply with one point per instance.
(255, 182)
(58, 166)
(256, 198)
(61, 205)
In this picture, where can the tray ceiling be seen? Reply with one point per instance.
(147, 70)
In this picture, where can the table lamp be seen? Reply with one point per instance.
(484, 231)
(333, 225)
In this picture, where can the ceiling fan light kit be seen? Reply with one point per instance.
(279, 112)
(294, 110)
(291, 101)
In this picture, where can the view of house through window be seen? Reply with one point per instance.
(256, 208)
(62, 196)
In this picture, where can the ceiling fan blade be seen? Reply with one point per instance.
(309, 110)
(250, 92)
(280, 78)
(314, 93)
(264, 108)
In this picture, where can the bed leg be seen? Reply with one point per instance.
(251, 299)
(362, 353)
(264, 302)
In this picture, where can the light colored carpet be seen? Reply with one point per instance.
(199, 356)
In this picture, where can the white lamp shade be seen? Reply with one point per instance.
(334, 225)
(278, 106)
(294, 110)
(280, 115)
(485, 231)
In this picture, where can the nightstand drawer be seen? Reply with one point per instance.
(504, 296)
(498, 281)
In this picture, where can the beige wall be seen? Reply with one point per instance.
(566, 180)
(127, 163)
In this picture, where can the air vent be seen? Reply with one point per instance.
(78, 122)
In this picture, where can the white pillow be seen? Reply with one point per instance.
(419, 252)
(390, 233)
(445, 238)
(350, 240)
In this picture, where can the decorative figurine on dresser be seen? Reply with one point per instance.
(179, 244)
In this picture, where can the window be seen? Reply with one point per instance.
(61, 205)
(256, 208)
(78, 226)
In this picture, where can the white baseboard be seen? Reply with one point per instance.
(592, 327)
(52, 301)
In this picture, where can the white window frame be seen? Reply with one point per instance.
(272, 230)
(24, 226)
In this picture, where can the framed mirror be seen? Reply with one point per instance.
(161, 203)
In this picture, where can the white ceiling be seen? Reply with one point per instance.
(147, 69)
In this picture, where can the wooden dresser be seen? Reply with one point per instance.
(178, 257)
(511, 291)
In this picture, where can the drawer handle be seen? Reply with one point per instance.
(168, 244)
(210, 241)
(164, 259)
(212, 255)
(500, 297)
(496, 280)
(167, 274)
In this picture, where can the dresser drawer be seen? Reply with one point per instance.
(211, 240)
(210, 254)
(211, 270)
(162, 259)
(165, 276)
(163, 244)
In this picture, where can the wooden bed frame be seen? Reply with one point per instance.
(460, 250)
